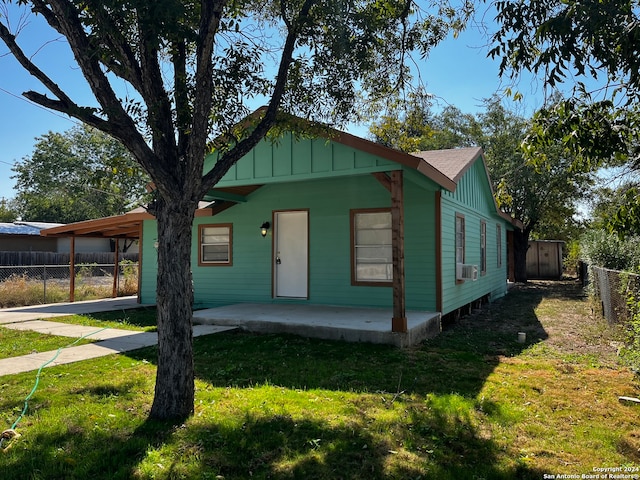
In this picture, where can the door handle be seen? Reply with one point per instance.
(278, 261)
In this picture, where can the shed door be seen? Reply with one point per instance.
(291, 261)
(548, 266)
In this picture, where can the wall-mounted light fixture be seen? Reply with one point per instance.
(264, 228)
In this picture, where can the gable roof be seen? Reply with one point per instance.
(411, 160)
(318, 130)
(452, 163)
(444, 167)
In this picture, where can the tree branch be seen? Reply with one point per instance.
(155, 96)
(84, 114)
(223, 165)
(181, 95)
(10, 41)
(64, 17)
(127, 66)
(211, 13)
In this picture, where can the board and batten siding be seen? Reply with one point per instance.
(472, 199)
(329, 203)
(289, 159)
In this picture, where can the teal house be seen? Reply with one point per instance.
(317, 221)
(341, 221)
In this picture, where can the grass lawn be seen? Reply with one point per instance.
(471, 404)
(139, 319)
(15, 342)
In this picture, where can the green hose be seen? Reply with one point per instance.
(35, 387)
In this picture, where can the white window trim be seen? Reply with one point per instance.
(354, 247)
(201, 245)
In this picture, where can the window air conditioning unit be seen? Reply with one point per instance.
(465, 271)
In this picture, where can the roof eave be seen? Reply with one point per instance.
(405, 159)
(97, 227)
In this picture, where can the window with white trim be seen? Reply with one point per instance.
(499, 245)
(460, 238)
(483, 247)
(214, 244)
(372, 261)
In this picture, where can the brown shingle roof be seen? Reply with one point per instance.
(453, 163)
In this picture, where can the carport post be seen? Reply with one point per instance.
(399, 321)
(114, 293)
(72, 269)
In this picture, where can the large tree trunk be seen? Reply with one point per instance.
(174, 392)
(520, 247)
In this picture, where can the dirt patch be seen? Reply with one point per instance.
(559, 315)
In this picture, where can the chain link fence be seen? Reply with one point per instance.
(38, 284)
(613, 288)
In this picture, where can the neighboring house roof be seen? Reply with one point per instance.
(25, 228)
(40, 225)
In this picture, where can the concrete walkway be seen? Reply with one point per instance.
(110, 340)
(37, 312)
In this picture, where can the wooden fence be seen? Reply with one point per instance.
(53, 258)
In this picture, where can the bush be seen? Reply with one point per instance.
(572, 256)
(20, 290)
(130, 274)
(607, 250)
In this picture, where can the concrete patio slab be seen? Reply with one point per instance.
(372, 325)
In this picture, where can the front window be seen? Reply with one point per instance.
(372, 261)
(214, 244)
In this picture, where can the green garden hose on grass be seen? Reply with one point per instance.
(10, 434)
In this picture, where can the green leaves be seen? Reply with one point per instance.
(626, 220)
(78, 175)
(594, 41)
(8, 212)
(542, 194)
(595, 133)
(560, 37)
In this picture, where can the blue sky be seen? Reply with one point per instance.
(457, 72)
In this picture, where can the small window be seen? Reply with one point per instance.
(460, 240)
(214, 244)
(499, 245)
(483, 247)
(372, 261)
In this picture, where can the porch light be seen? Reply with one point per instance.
(264, 228)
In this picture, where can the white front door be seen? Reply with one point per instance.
(291, 249)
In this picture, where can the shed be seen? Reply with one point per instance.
(544, 259)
